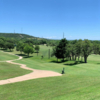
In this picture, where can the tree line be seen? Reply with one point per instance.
(69, 49)
(25, 47)
(76, 49)
(7, 43)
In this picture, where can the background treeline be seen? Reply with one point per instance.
(6, 43)
(72, 50)
(25, 47)
(29, 39)
(69, 49)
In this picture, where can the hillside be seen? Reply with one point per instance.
(16, 35)
(19, 36)
(28, 38)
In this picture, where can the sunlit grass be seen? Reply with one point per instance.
(81, 81)
(11, 70)
(5, 56)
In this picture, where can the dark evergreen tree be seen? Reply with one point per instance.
(60, 50)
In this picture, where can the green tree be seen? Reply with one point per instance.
(73, 51)
(68, 52)
(28, 50)
(95, 48)
(87, 49)
(55, 52)
(37, 48)
(79, 48)
(47, 45)
(20, 47)
(10, 46)
(1, 43)
(6, 45)
(60, 50)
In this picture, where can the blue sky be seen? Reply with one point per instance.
(78, 19)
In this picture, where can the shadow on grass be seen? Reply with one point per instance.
(36, 52)
(27, 56)
(21, 54)
(2, 49)
(98, 63)
(54, 61)
(75, 63)
(6, 50)
(24, 56)
(68, 63)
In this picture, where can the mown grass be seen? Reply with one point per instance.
(11, 70)
(81, 81)
(5, 56)
(67, 87)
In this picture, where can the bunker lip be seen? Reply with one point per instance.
(35, 74)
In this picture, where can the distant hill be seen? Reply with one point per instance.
(19, 36)
(16, 35)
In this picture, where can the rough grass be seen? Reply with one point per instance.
(80, 82)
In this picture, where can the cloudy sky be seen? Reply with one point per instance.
(77, 19)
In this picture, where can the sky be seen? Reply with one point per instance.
(77, 19)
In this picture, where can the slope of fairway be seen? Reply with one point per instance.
(75, 69)
(80, 81)
(5, 56)
(68, 87)
(11, 70)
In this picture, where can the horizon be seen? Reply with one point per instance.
(50, 19)
(49, 38)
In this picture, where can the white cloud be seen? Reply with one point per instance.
(51, 37)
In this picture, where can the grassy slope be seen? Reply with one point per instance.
(80, 82)
(10, 70)
(4, 56)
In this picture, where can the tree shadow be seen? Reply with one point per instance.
(21, 55)
(75, 63)
(70, 63)
(24, 56)
(2, 49)
(7, 51)
(27, 56)
(98, 63)
(36, 52)
(54, 61)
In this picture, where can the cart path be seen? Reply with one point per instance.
(33, 75)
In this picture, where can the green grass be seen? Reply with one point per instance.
(43, 51)
(80, 81)
(11, 70)
(4, 56)
(67, 87)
